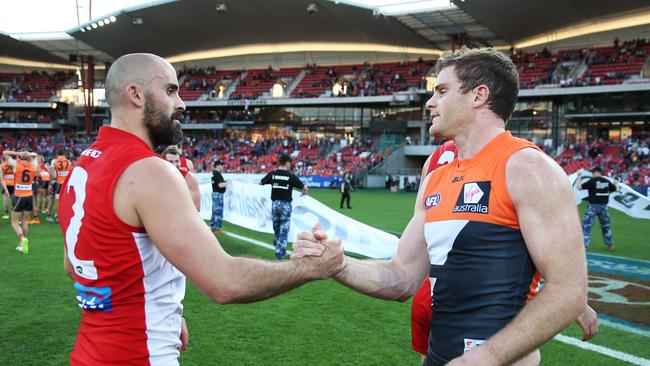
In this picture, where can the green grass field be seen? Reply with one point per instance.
(321, 323)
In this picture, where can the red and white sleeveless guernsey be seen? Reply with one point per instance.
(481, 272)
(130, 294)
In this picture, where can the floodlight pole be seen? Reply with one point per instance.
(87, 83)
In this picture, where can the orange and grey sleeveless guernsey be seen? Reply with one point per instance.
(481, 272)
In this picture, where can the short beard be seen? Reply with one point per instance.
(160, 128)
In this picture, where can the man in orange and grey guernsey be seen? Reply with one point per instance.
(25, 168)
(60, 168)
(480, 230)
(43, 197)
(7, 185)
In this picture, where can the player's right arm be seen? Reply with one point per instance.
(400, 277)
(166, 211)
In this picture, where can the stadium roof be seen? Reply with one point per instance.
(198, 29)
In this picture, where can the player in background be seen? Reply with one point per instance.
(60, 168)
(43, 200)
(173, 155)
(25, 168)
(7, 184)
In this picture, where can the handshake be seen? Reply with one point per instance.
(315, 249)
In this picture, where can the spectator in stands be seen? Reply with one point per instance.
(599, 189)
(283, 181)
(218, 191)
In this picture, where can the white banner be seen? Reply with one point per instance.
(625, 200)
(248, 204)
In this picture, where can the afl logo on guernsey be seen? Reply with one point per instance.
(474, 198)
(432, 201)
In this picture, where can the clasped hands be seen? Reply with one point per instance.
(315, 246)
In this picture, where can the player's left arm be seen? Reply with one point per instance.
(550, 226)
(193, 185)
(67, 266)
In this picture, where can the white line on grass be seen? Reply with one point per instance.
(625, 328)
(560, 337)
(603, 350)
(254, 242)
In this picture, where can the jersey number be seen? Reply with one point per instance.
(446, 158)
(62, 164)
(83, 268)
(25, 177)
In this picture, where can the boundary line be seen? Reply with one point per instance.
(254, 241)
(602, 350)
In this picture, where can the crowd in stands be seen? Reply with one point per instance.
(602, 65)
(31, 116)
(256, 83)
(240, 152)
(628, 160)
(353, 80)
(211, 116)
(385, 79)
(311, 155)
(36, 86)
(246, 152)
(45, 144)
(573, 67)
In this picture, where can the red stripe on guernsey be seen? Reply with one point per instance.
(534, 286)
(143, 285)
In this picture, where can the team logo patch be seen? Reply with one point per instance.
(471, 343)
(474, 198)
(432, 201)
(94, 298)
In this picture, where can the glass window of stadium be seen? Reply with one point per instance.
(532, 120)
(396, 114)
(612, 116)
(581, 131)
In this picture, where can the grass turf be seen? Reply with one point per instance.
(321, 323)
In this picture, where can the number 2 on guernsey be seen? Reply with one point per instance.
(77, 181)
